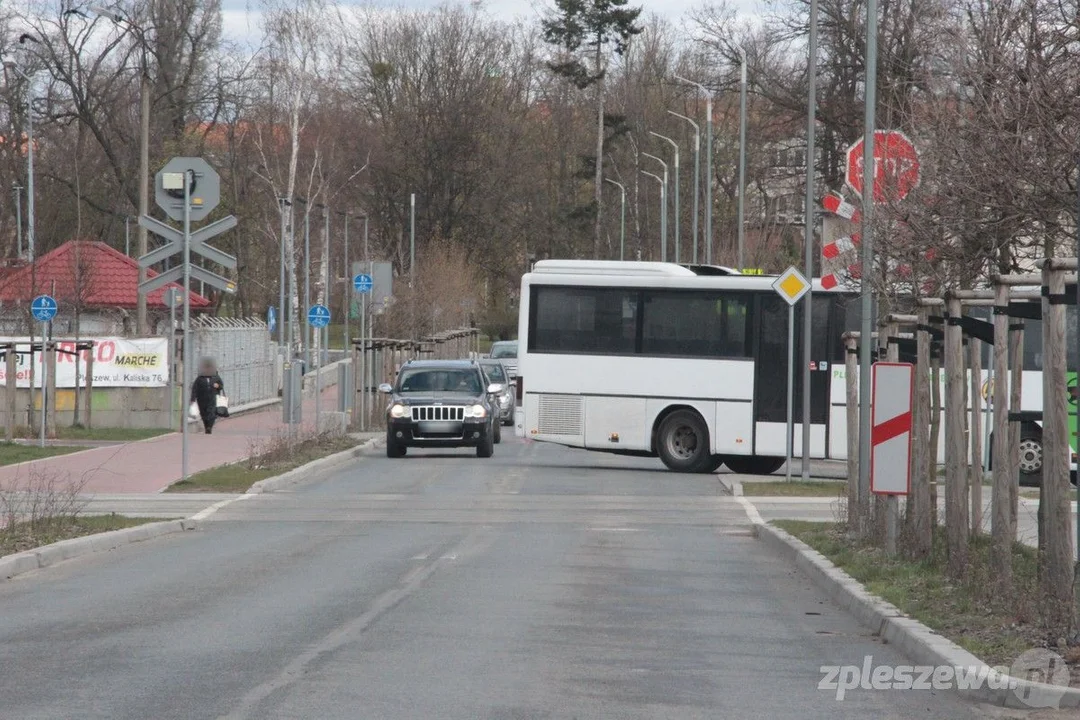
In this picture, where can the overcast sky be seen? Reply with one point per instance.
(241, 16)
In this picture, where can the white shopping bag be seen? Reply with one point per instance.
(193, 411)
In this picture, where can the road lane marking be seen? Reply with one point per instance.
(352, 630)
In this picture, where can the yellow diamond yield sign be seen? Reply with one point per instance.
(791, 285)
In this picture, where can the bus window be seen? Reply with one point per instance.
(695, 324)
(583, 320)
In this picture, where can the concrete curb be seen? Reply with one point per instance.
(730, 487)
(916, 641)
(48, 555)
(328, 463)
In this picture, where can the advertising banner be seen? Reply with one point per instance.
(118, 362)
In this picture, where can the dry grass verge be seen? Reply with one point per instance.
(995, 629)
(265, 460)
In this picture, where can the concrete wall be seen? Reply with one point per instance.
(111, 407)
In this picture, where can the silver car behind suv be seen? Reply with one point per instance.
(506, 400)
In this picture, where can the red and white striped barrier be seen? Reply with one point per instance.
(838, 206)
(890, 438)
(840, 246)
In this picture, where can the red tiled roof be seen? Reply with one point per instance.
(110, 279)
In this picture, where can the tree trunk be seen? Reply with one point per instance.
(599, 178)
(1001, 549)
(851, 364)
(956, 509)
(935, 438)
(918, 519)
(1016, 352)
(1055, 513)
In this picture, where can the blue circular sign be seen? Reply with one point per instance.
(318, 316)
(43, 308)
(362, 284)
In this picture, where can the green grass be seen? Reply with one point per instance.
(99, 434)
(24, 536)
(969, 612)
(795, 488)
(110, 434)
(238, 477)
(14, 453)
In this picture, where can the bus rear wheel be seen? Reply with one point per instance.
(683, 443)
(1031, 457)
(753, 465)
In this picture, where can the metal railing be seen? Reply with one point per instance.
(244, 355)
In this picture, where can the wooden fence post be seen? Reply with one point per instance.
(1016, 388)
(50, 390)
(1001, 525)
(1056, 560)
(975, 465)
(851, 371)
(90, 390)
(956, 509)
(11, 385)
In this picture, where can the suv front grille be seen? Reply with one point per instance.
(438, 412)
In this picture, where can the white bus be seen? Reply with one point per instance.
(690, 365)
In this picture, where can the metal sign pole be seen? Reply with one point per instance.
(44, 395)
(790, 387)
(172, 359)
(363, 362)
(186, 338)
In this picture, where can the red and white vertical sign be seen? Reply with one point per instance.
(890, 437)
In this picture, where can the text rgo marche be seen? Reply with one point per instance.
(117, 362)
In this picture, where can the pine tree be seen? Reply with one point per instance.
(598, 26)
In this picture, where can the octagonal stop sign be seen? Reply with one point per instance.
(896, 166)
(204, 188)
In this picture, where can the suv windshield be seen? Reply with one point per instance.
(495, 372)
(504, 350)
(427, 380)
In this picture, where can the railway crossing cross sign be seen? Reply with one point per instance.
(188, 190)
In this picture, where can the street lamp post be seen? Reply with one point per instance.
(808, 238)
(663, 208)
(622, 218)
(29, 157)
(663, 204)
(742, 161)
(697, 176)
(17, 189)
(678, 178)
(708, 166)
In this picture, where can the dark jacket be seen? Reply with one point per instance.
(204, 391)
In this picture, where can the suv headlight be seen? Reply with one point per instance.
(475, 411)
(504, 399)
(397, 410)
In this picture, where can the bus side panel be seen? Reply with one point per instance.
(734, 421)
(616, 423)
(771, 440)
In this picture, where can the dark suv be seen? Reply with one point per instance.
(441, 403)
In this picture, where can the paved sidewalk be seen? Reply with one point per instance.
(150, 466)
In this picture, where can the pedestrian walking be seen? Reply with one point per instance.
(205, 391)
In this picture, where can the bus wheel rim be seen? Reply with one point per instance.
(682, 442)
(1030, 456)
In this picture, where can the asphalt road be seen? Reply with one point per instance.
(542, 583)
